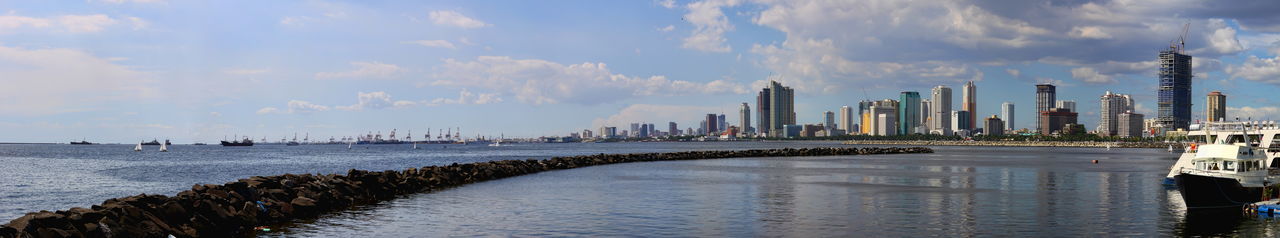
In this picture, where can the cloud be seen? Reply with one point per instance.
(656, 114)
(67, 23)
(376, 100)
(139, 23)
(298, 106)
(709, 24)
(364, 70)
(433, 43)
(1266, 70)
(1013, 72)
(49, 81)
(294, 21)
(1089, 32)
(667, 28)
(538, 81)
(1256, 113)
(669, 4)
(467, 97)
(455, 19)
(245, 71)
(268, 110)
(1090, 75)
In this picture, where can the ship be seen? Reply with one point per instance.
(1229, 172)
(152, 142)
(81, 142)
(244, 142)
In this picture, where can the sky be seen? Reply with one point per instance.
(200, 71)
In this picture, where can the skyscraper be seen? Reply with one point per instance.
(846, 120)
(764, 126)
(635, 130)
(941, 105)
(1045, 97)
(711, 124)
(908, 112)
(830, 123)
(1173, 99)
(1006, 111)
(1216, 106)
(925, 111)
(993, 126)
(781, 106)
(1066, 104)
(724, 124)
(1055, 120)
(672, 129)
(960, 121)
(969, 92)
(744, 119)
(1129, 124)
(1112, 106)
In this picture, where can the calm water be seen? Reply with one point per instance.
(959, 191)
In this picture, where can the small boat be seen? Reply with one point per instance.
(81, 142)
(152, 142)
(291, 143)
(243, 142)
(164, 148)
(199, 144)
(349, 145)
(138, 148)
(1170, 148)
(415, 145)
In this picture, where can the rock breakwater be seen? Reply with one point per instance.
(236, 208)
(1020, 143)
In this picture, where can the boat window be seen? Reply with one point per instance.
(1275, 143)
(1229, 165)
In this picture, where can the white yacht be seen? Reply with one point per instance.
(1261, 134)
(1230, 172)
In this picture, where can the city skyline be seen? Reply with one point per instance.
(123, 71)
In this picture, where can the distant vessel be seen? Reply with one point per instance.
(81, 142)
(243, 142)
(294, 141)
(199, 144)
(164, 148)
(138, 148)
(152, 142)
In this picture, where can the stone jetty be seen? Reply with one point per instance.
(238, 208)
(1094, 144)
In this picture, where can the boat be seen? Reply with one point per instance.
(415, 146)
(164, 148)
(81, 142)
(197, 143)
(292, 143)
(1228, 133)
(152, 142)
(243, 142)
(138, 148)
(1225, 174)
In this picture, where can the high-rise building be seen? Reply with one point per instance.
(781, 105)
(1216, 106)
(763, 125)
(1006, 111)
(673, 129)
(644, 131)
(864, 107)
(1173, 99)
(829, 125)
(635, 130)
(1046, 95)
(925, 111)
(711, 124)
(960, 121)
(1068, 104)
(724, 124)
(941, 115)
(846, 120)
(653, 130)
(969, 94)
(1112, 105)
(744, 119)
(1055, 119)
(1129, 124)
(908, 112)
(586, 133)
(993, 126)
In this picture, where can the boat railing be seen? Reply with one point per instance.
(1242, 176)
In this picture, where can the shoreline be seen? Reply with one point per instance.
(1081, 144)
(242, 207)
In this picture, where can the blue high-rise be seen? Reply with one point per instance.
(908, 112)
(1173, 99)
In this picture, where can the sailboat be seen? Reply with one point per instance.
(415, 145)
(164, 148)
(349, 145)
(497, 142)
(138, 148)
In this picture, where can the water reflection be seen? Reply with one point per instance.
(956, 192)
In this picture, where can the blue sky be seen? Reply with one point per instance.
(199, 71)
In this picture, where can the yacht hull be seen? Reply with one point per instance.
(1200, 191)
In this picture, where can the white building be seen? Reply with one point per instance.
(940, 101)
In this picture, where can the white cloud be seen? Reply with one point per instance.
(1266, 70)
(433, 43)
(657, 114)
(376, 100)
(1013, 72)
(139, 23)
(47, 81)
(86, 23)
(667, 28)
(669, 4)
(15, 22)
(709, 24)
(1223, 39)
(1089, 32)
(1090, 75)
(455, 19)
(364, 70)
(299, 106)
(543, 82)
(1255, 113)
(294, 21)
(268, 110)
(467, 97)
